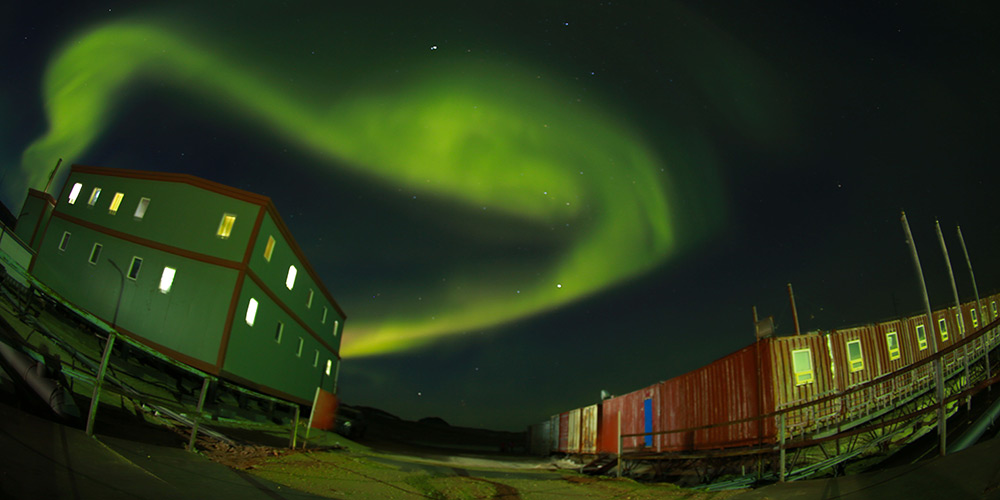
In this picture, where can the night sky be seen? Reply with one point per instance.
(519, 204)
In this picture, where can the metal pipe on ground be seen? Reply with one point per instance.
(35, 376)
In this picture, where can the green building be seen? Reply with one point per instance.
(202, 272)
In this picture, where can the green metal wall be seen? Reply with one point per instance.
(273, 275)
(189, 319)
(34, 214)
(179, 215)
(254, 354)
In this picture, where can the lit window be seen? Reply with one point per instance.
(94, 195)
(290, 279)
(309, 301)
(298, 352)
(316, 358)
(269, 248)
(133, 268)
(943, 327)
(802, 366)
(226, 226)
(115, 203)
(95, 253)
(167, 279)
(336, 325)
(140, 209)
(921, 337)
(329, 365)
(251, 311)
(64, 241)
(993, 307)
(960, 323)
(975, 317)
(74, 193)
(854, 356)
(278, 331)
(892, 342)
(324, 315)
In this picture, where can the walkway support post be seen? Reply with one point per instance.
(781, 448)
(197, 414)
(981, 311)
(938, 375)
(958, 308)
(95, 400)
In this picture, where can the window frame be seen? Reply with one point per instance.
(943, 329)
(298, 352)
(894, 353)
(797, 373)
(316, 358)
(226, 225)
(64, 241)
(251, 314)
(290, 277)
(279, 332)
(74, 193)
(95, 253)
(269, 248)
(116, 203)
(921, 336)
(134, 267)
(170, 280)
(975, 317)
(855, 364)
(140, 208)
(95, 194)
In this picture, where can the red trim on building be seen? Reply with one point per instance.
(166, 351)
(227, 330)
(208, 259)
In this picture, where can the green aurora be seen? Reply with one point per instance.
(481, 136)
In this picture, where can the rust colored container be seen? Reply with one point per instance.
(794, 385)
(589, 422)
(857, 360)
(634, 408)
(563, 445)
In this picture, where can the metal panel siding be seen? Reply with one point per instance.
(554, 433)
(573, 435)
(720, 392)
(633, 419)
(563, 445)
(589, 417)
(787, 394)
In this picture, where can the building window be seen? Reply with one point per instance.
(94, 195)
(226, 226)
(269, 248)
(140, 209)
(943, 327)
(324, 315)
(115, 203)
(993, 307)
(298, 352)
(316, 358)
(133, 268)
(64, 241)
(336, 325)
(329, 366)
(975, 317)
(309, 300)
(921, 337)
(960, 322)
(95, 253)
(167, 279)
(278, 331)
(74, 193)
(802, 366)
(892, 342)
(854, 357)
(251, 311)
(290, 278)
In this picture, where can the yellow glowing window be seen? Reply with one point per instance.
(226, 226)
(298, 352)
(329, 366)
(309, 300)
(921, 337)
(280, 329)
(854, 356)
(251, 311)
(94, 195)
(892, 343)
(140, 209)
(115, 203)
(993, 307)
(943, 327)
(167, 279)
(269, 248)
(290, 278)
(975, 317)
(74, 193)
(802, 366)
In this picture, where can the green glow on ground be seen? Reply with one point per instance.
(480, 136)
